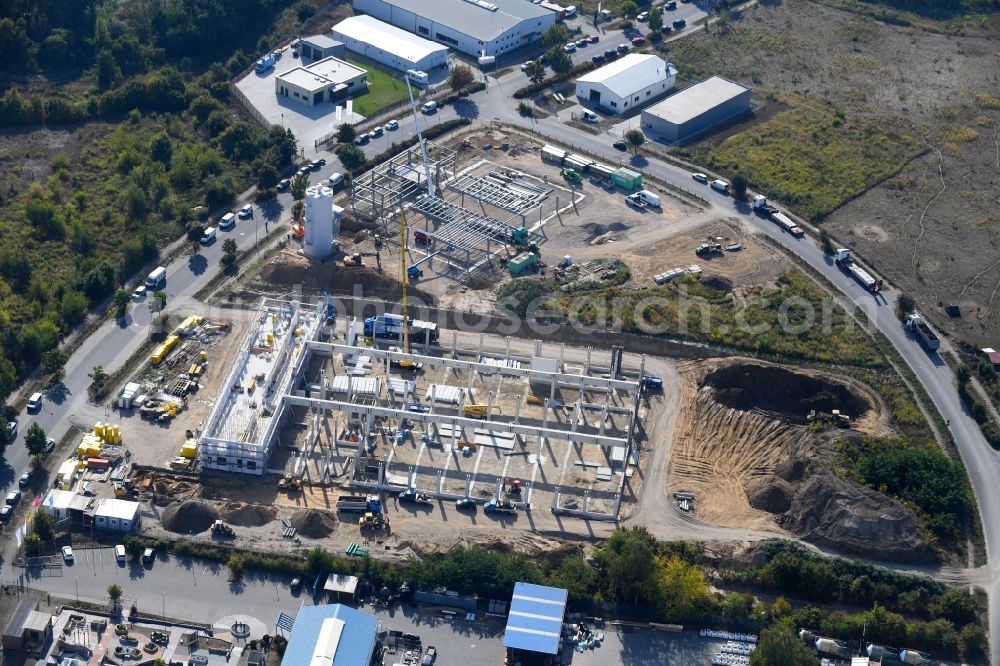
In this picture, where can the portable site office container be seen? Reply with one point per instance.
(626, 178)
(578, 162)
(522, 263)
(553, 155)
(601, 170)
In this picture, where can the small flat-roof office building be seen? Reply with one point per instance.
(317, 47)
(327, 80)
(490, 27)
(694, 111)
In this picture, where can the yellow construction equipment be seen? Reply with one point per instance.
(475, 411)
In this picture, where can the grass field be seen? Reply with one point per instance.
(812, 157)
(383, 90)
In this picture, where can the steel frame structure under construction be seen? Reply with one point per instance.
(468, 238)
(500, 190)
(449, 424)
(379, 192)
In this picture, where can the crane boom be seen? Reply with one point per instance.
(420, 140)
(402, 262)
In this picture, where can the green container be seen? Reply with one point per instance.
(626, 179)
(522, 263)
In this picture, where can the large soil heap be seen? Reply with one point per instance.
(742, 446)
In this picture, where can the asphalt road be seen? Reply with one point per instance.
(115, 341)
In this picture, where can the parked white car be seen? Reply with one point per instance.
(392, 125)
(67, 553)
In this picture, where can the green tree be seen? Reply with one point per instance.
(107, 70)
(559, 60)
(161, 150)
(346, 133)
(629, 8)
(682, 591)
(655, 19)
(557, 35)
(779, 646)
(906, 303)
(121, 301)
(535, 71)
(267, 177)
(237, 566)
(351, 157)
(42, 525)
(195, 230)
(34, 440)
(32, 545)
(735, 606)
(963, 374)
(461, 76)
(826, 242)
(53, 362)
(228, 258)
(98, 377)
(298, 187)
(159, 301)
(635, 138)
(740, 187)
(115, 594)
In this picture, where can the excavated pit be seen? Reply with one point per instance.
(747, 386)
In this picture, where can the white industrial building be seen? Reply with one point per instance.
(628, 82)
(242, 428)
(389, 45)
(322, 222)
(695, 110)
(327, 80)
(474, 27)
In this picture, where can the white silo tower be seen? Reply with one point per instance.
(322, 222)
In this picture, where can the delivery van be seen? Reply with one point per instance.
(157, 279)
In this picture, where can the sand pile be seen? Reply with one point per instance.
(190, 517)
(313, 523)
(247, 515)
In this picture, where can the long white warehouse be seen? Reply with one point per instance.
(474, 27)
(626, 83)
(388, 45)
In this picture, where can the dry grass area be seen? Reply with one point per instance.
(931, 227)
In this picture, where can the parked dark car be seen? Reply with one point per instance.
(620, 145)
(610, 54)
(598, 59)
(679, 23)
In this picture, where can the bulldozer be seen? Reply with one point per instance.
(222, 529)
(371, 521)
(290, 483)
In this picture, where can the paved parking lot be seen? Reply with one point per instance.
(308, 124)
(455, 639)
(644, 647)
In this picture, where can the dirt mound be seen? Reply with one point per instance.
(247, 515)
(769, 494)
(289, 270)
(190, 517)
(746, 386)
(313, 523)
(833, 511)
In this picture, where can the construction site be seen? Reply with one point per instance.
(292, 421)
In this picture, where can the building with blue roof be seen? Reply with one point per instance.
(331, 635)
(534, 624)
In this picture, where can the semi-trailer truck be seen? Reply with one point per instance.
(390, 327)
(359, 504)
(919, 328)
(843, 258)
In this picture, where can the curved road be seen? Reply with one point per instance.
(114, 341)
